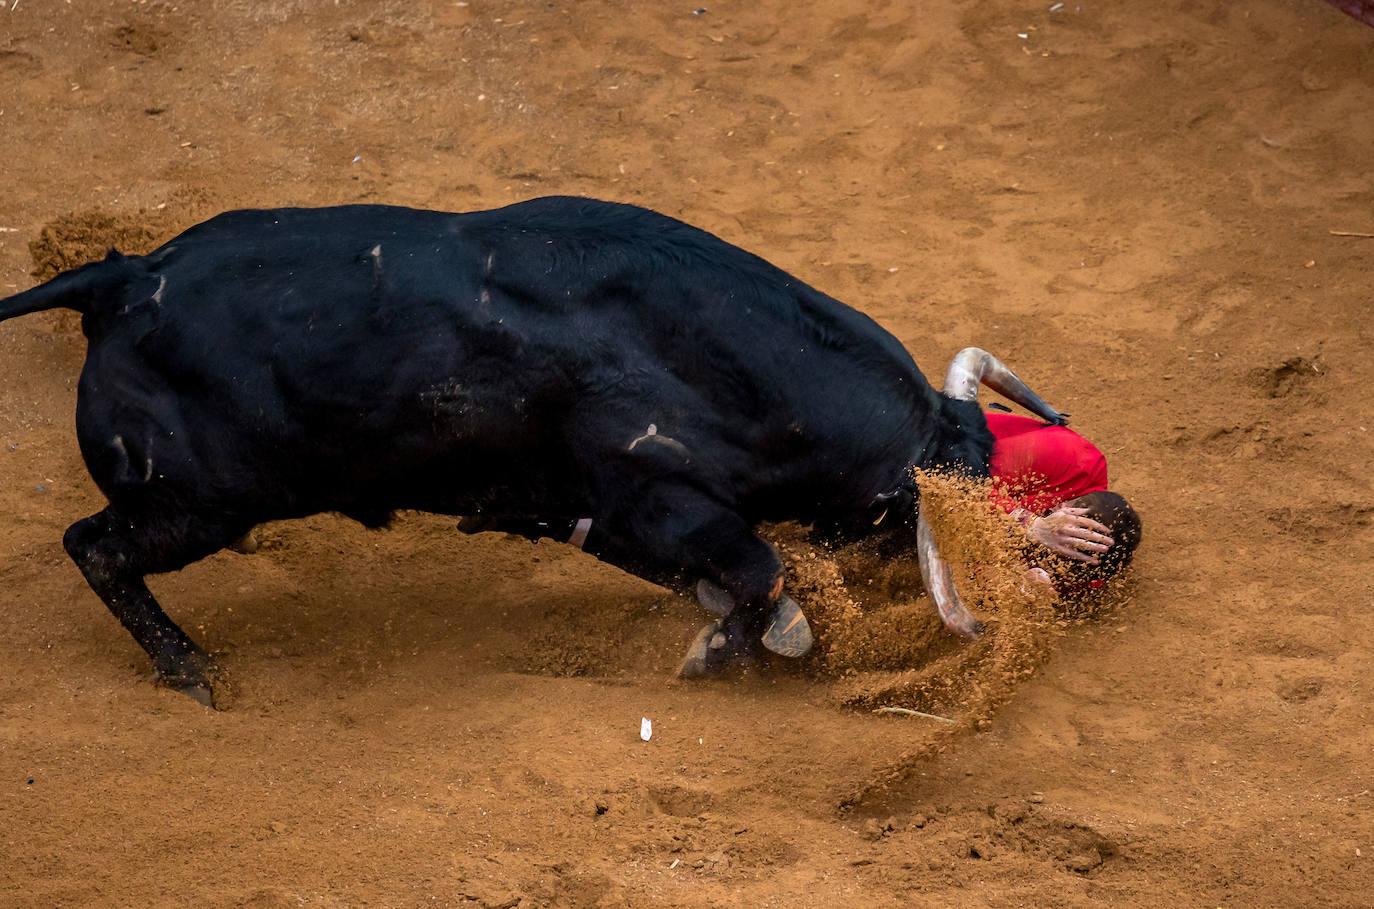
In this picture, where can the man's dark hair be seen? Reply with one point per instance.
(1117, 514)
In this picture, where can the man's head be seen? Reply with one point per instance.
(1116, 513)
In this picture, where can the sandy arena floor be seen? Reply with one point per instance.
(1137, 205)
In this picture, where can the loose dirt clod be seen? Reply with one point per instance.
(75, 239)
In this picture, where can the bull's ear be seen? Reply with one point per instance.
(939, 581)
(973, 365)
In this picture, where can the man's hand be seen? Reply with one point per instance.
(1069, 532)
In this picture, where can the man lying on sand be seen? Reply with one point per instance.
(1054, 482)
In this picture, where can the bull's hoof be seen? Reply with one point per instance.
(698, 662)
(712, 652)
(788, 633)
(246, 544)
(196, 675)
(202, 693)
(714, 599)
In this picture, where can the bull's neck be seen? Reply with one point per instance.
(960, 439)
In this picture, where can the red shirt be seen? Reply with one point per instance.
(1036, 467)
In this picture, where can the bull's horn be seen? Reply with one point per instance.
(973, 365)
(939, 581)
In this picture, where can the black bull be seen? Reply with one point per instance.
(561, 357)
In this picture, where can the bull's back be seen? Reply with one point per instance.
(480, 352)
(303, 354)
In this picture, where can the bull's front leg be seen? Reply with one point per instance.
(671, 533)
(786, 633)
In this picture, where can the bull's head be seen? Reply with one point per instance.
(971, 367)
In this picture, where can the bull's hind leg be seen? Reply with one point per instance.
(114, 554)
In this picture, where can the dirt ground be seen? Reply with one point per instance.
(1136, 205)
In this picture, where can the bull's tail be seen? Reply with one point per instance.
(81, 289)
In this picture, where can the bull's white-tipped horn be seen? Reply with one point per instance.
(973, 365)
(939, 581)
